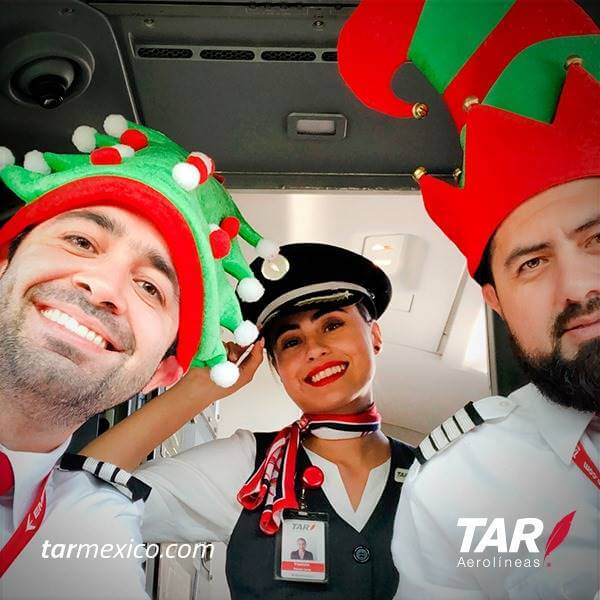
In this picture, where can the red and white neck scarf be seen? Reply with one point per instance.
(273, 482)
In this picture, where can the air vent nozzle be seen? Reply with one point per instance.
(226, 54)
(149, 52)
(289, 55)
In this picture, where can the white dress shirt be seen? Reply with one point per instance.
(514, 467)
(79, 510)
(194, 494)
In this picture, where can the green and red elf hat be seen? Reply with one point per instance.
(521, 81)
(143, 171)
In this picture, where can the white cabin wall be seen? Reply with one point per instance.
(419, 383)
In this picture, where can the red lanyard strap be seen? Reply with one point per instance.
(582, 459)
(26, 530)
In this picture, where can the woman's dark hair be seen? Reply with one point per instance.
(269, 330)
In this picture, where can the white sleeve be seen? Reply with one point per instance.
(424, 556)
(102, 559)
(118, 577)
(194, 494)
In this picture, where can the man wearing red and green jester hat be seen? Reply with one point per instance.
(113, 281)
(503, 501)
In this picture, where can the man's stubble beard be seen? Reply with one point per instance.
(575, 382)
(46, 387)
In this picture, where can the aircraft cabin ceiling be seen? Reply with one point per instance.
(233, 79)
(229, 78)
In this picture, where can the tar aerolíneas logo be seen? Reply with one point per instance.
(482, 534)
(303, 526)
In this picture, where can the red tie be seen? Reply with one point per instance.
(7, 479)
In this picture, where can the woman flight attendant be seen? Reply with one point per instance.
(331, 479)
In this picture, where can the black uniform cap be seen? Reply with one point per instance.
(319, 275)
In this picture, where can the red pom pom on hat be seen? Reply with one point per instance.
(203, 163)
(220, 243)
(231, 225)
(135, 138)
(105, 156)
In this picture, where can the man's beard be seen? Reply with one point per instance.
(569, 382)
(47, 387)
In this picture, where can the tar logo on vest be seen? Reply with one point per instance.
(400, 475)
(302, 527)
(502, 545)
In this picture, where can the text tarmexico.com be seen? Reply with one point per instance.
(201, 550)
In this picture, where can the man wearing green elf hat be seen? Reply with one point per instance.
(504, 500)
(113, 280)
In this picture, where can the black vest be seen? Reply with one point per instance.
(360, 563)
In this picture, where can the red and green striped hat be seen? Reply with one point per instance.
(520, 79)
(143, 171)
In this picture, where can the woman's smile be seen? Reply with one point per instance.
(327, 373)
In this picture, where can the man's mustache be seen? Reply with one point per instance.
(573, 311)
(118, 329)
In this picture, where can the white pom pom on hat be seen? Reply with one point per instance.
(34, 161)
(124, 150)
(186, 176)
(250, 289)
(245, 333)
(224, 374)
(267, 249)
(115, 125)
(84, 138)
(7, 158)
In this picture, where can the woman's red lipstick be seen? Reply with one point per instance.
(326, 373)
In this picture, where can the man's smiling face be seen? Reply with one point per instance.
(88, 307)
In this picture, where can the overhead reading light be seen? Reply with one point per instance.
(386, 251)
(316, 126)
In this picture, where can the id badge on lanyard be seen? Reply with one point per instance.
(301, 550)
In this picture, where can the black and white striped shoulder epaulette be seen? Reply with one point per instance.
(125, 482)
(464, 420)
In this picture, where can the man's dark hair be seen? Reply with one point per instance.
(16, 242)
(172, 349)
(269, 331)
(484, 274)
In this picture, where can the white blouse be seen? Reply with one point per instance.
(194, 493)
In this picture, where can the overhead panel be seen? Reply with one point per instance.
(231, 81)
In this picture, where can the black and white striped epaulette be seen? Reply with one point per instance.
(464, 420)
(125, 482)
